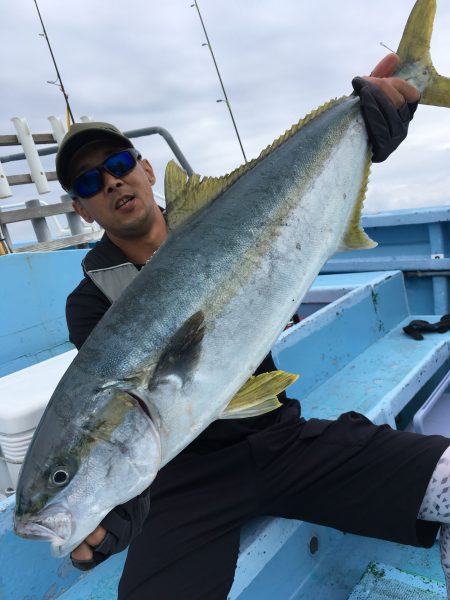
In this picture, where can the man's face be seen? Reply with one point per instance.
(124, 206)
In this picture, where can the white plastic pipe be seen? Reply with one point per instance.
(57, 128)
(5, 190)
(34, 162)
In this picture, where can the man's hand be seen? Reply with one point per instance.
(117, 530)
(397, 90)
(388, 105)
(83, 555)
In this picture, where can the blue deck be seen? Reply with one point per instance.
(351, 354)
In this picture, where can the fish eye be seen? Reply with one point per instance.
(60, 476)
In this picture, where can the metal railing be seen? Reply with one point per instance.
(132, 133)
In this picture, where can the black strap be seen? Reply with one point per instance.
(415, 327)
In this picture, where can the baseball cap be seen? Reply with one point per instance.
(78, 136)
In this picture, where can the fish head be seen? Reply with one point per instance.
(74, 476)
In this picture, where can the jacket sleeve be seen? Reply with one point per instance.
(85, 306)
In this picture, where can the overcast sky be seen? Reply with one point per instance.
(141, 62)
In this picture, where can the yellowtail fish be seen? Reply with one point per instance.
(181, 343)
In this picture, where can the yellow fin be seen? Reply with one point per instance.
(355, 238)
(185, 196)
(258, 395)
(415, 48)
(175, 181)
(415, 42)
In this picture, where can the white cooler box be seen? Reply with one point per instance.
(23, 398)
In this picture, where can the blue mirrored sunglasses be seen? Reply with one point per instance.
(90, 182)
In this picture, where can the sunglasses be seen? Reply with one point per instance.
(90, 182)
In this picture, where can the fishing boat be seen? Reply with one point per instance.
(346, 340)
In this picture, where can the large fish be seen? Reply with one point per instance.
(182, 340)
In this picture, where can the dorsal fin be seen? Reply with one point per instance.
(185, 196)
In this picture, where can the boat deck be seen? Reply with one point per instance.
(351, 354)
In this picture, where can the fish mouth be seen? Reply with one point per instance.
(53, 525)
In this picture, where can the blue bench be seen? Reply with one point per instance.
(354, 355)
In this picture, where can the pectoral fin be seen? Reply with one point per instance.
(181, 353)
(258, 395)
(174, 367)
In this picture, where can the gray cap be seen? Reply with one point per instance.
(78, 136)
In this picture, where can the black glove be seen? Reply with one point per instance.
(386, 126)
(122, 525)
(417, 326)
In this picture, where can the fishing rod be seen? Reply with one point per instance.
(227, 102)
(58, 76)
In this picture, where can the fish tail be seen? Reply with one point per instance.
(415, 58)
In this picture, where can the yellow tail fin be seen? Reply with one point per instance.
(416, 65)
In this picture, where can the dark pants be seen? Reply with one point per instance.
(347, 474)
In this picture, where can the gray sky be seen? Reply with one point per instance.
(141, 63)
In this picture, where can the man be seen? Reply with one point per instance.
(186, 546)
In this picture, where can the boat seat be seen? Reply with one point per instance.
(381, 381)
(353, 355)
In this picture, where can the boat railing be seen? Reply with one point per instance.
(77, 233)
(36, 211)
